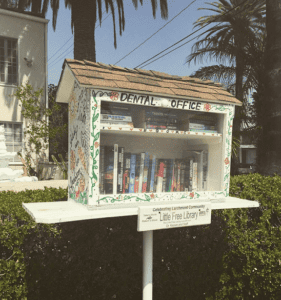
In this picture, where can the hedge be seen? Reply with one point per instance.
(236, 257)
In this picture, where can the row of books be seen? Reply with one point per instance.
(115, 115)
(124, 172)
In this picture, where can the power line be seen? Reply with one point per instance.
(143, 64)
(155, 32)
(73, 42)
(60, 48)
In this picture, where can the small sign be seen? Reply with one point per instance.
(173, 216)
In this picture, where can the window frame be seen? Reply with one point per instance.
(6, 70)
(13, 161)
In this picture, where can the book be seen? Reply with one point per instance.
(109, 166)
(152, 176)
(120, 169)
(205, 170)
(145, 172)
(201, 126)
(194, 177)
(132, 173)
(178, 166)
(110, 118)
(190, 175)
(170, 176)
(116, 126)
(203, 130)
(102, 170)
(141, 172)
(160, 175)
(126, 172)
(137, 172)
(115, 169)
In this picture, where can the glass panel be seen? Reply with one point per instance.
(9, 137)
(10, 148)
(17, 137)
(1, 42)
(8, 127)
(17, 128)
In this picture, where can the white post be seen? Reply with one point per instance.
(147, 264)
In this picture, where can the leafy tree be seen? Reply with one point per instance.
(236, 26)
(58, 120)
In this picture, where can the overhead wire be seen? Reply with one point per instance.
(156, 32)
(53, 62)
(144, 63)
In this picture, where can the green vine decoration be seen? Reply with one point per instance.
(94, 153)
(219, 107)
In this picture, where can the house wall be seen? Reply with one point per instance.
(30, 33)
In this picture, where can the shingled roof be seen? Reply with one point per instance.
(115, 78)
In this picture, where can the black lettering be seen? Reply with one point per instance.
(185, 103)
(136, 99)
(146, 100)
(130, 98)
(173, 103)
(198, 106)
(179, 103)
(192, 105)
(153, 104)
(123, 97)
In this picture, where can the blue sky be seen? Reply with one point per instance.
(139, 25)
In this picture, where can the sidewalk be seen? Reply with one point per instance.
(34, 185)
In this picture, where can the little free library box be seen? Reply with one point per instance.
(141, 138)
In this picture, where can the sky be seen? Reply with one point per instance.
(139, 26)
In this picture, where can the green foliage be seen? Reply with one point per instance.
(37, 132)
(58, 120)
(236, 257)
(16, 225)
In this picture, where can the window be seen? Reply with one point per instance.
(13, 137)
(8, 61)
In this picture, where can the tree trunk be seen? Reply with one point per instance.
(84, 20)
(271, 139)
(238, 109)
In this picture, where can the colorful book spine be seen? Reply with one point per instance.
(205, 170)
(126, 175)
(201, 126)
(102, 170)
(111, 118)
(115, 169)
(190, 175)
(108, 172)
(132, 173)
(145, 172)
(153, 167)
(120, 169)
(178, 175)
(137, 173)
(141, 172)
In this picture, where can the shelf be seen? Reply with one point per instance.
(68, 211)
(162, 133)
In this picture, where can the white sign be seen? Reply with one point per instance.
(173, 215)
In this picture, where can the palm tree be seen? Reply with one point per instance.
(84, 18)
(269, 154)
(236, 24)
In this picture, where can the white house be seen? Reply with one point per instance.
(23, 57)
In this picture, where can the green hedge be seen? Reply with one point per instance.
(236, 257)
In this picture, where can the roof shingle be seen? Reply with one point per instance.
(158, 83)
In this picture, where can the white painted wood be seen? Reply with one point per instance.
(68, 211)
(147, 265)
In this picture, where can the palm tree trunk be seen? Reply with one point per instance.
(271, 145)
(84, 20)
(238, 109)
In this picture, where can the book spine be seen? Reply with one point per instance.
(141, 172)
(178, 176)
(145, 172)
(160, 176)
(137, 173)
(203, 130)
(205, 170)
(190, 175)
(110, 118)
(120, 169)
(153, 166)
(109, 166)
(201, 126)
(126, 175)
(182, 179)
(102, 170)
(115, 169)
(132, 173)
(194, 178)
(164, 185)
